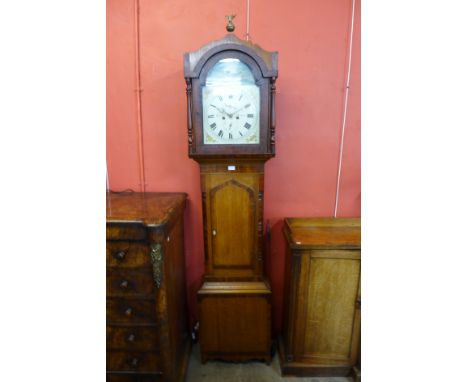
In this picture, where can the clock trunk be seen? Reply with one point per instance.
(233, 219)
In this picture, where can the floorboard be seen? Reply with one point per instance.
(215, 371)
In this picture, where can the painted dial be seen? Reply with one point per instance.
(231, 115)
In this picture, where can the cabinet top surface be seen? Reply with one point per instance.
(150, 208)
(323, 233)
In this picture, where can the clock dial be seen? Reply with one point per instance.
(230, 115)
(231, 105)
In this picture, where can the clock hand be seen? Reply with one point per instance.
(235, 112)
(238, 110)
(228, 114)
(220, 110)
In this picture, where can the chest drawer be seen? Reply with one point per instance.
(129, 282)
(133, 361)
(121, 310)
(131, 338)
(125, 231)
(127, 254)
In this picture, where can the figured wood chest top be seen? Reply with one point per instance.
(150, 208)
(323, 233)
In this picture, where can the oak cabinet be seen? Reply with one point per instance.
(146, 323)
(321, 331)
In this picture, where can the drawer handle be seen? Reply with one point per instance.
(120, 255)
(128, 312)
(214, 232)
(134, 362)
(156, 255)
(124, 284)
(131, 338)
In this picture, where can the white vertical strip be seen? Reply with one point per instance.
(247, 35)
(345, 112)
(108, 190)
(107, 179)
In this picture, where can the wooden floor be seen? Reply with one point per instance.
(242, 372)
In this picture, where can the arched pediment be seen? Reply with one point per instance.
(235, 183)
(194, 61)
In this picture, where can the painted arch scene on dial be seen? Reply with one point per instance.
(231, 105)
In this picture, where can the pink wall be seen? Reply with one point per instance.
(312, 38)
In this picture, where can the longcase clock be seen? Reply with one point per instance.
(231, 134)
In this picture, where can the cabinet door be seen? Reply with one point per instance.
(328, 322)
(233, 220)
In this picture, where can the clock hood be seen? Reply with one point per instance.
(194, 61)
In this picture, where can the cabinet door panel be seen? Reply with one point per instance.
(331, 294)
(233, 213)
(233, 218)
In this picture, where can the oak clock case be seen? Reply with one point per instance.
(231, 133)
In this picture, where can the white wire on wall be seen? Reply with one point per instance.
(109, 206)
(345, 111)
(107, 179)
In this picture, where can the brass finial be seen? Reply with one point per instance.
(230, 26)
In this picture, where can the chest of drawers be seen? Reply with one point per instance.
(147, 329)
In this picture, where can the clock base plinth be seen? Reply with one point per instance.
(235, 321)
